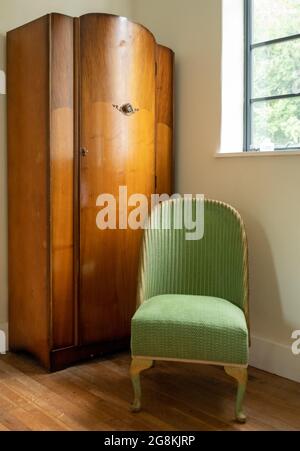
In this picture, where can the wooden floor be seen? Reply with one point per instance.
(96, 396)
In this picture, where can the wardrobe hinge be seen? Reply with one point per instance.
(155, 183)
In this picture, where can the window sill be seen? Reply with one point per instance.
(258, 154)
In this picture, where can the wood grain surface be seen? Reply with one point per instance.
(176, 397)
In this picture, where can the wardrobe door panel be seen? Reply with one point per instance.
(117, 67)
(164, 125)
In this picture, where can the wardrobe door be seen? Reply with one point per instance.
(117, 66)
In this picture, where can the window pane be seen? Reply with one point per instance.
(276, 123)
(276, 69)
(274, 19)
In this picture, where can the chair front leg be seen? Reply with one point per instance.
(137, 366)
(241, 375)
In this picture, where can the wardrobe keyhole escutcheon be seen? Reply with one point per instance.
(126, 109)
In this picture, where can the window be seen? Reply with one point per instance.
(272, 75)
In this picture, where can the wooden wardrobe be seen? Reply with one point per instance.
(90, 108)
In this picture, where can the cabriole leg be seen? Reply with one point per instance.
(137, 366)
(241, 375)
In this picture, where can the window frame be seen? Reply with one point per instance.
(249, 100)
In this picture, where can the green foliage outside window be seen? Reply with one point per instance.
(276, 71)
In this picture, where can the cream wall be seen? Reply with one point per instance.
(266, 190)
(14, 13)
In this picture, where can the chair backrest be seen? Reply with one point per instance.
(216, 265)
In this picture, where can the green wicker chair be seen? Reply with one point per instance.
(193, 296)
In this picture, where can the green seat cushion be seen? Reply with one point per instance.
(191, 328)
